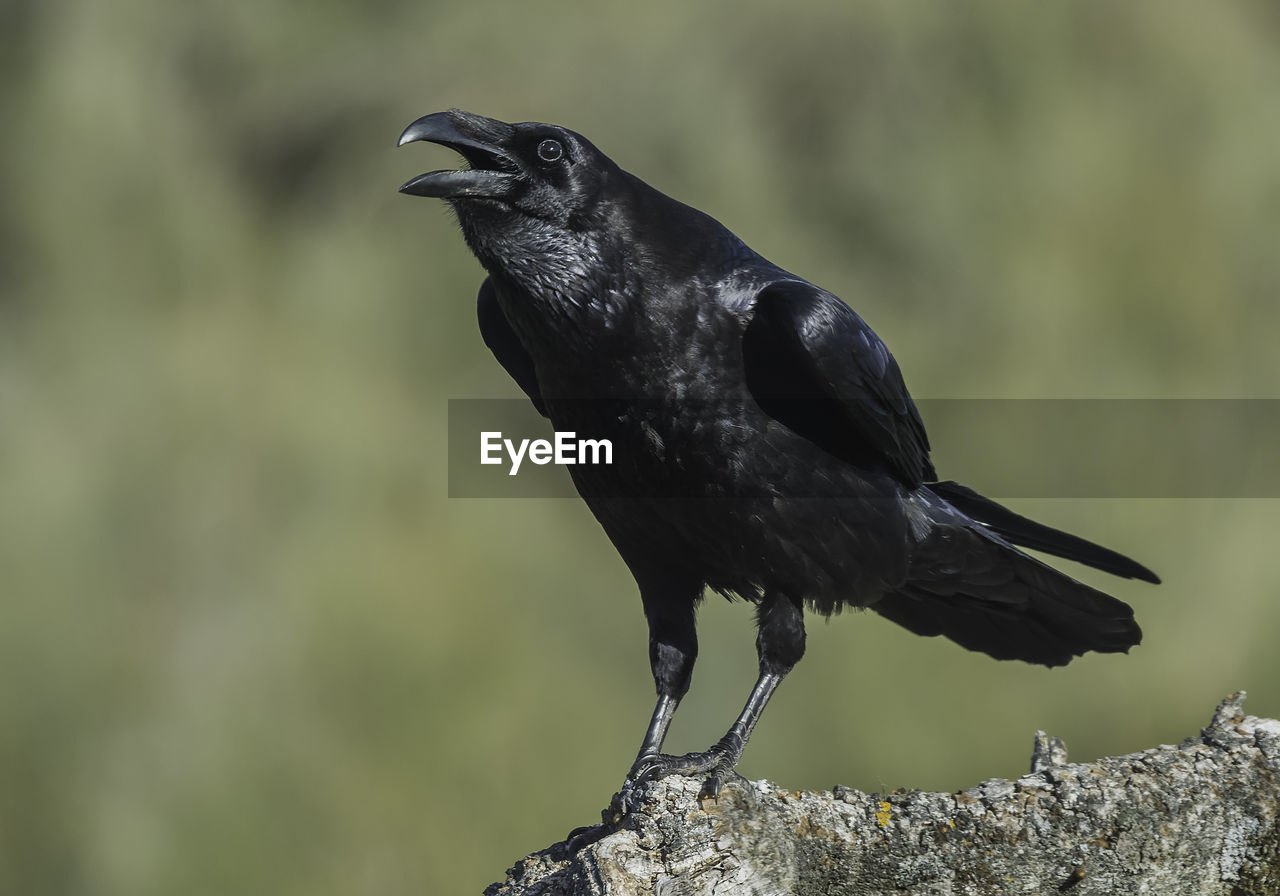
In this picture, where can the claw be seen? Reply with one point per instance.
(647, 768)
(580, 838)
(716, 780)
(716, 763)
(621, 805)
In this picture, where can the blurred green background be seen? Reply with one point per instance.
(250, 646)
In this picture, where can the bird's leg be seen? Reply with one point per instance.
(673, 649)
(663, 713)
(780, 645)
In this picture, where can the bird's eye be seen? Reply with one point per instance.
(550, 150)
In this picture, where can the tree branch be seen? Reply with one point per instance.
(1196, 818)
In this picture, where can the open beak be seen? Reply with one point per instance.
(493, 173)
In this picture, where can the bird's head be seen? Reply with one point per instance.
(531, 169)
(545, 210)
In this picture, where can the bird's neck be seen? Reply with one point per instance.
(560, 273)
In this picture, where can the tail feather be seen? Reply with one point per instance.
(1038, 537)
(972, 586)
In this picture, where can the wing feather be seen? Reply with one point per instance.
(814, 365)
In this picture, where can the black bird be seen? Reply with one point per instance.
(765, 445)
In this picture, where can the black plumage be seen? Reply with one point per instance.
(765, 444)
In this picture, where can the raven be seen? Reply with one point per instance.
(765, 444)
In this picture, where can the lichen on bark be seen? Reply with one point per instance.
(1198, 817)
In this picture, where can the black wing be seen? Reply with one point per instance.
(1037, 536)
(505, 345)
(814, 365)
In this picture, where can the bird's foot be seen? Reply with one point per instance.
(582, 837)
(716, 763)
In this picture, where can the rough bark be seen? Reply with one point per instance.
(1196, 818)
